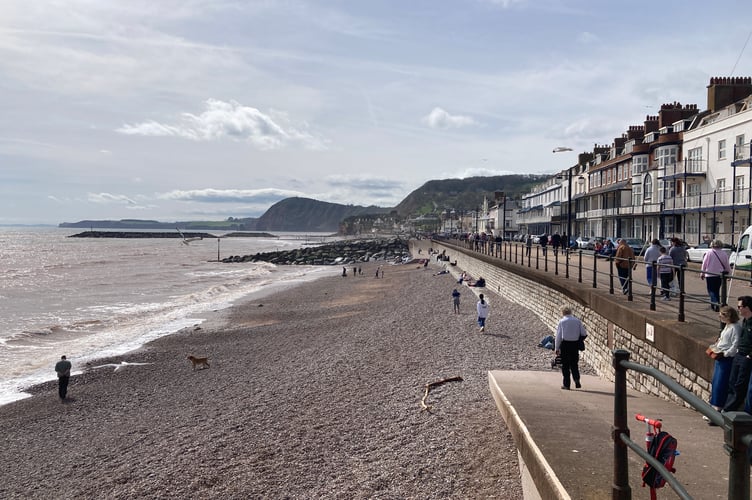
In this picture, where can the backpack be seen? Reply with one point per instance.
(663, 449)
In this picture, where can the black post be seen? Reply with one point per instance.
(620, 489)
(681, 294)
(630, 297)
(579, 277)
(595, 271)
(569, 205)
(653, 280)
(611, 274)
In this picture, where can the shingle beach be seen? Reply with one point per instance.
(313, 392)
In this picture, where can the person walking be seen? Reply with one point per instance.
(543, 242)
(666, 273)
(678, 254)
(624, 257)
(568, 333)
(555, 243)
(62, 368)
(528, 244)
(715, 264)
(483, 309)
(456, 300)
(651, 255)
(741, 366)
(726, 346)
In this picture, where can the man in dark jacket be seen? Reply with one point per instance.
(63, 368)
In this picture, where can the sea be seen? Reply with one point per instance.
(89, 298)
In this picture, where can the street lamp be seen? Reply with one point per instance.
(560, 149)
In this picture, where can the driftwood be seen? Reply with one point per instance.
(435, 384)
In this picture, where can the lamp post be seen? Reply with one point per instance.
(503, 216)
(561, 149)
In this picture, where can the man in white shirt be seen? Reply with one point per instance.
(568, 333)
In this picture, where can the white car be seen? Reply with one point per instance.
(697, 253)
(584, 243)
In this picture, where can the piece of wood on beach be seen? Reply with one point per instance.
(435, 384)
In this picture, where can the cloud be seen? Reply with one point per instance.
(438, 118)
(110, 198)
(231, 120)
(209, 195)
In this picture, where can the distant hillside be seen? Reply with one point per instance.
(464, 194)
(230, 224)
(305, 214)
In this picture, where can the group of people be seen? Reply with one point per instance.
(730, 388)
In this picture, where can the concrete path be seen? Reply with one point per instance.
(564, 437)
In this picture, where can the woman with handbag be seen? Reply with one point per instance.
(725, 347)
(715, 264)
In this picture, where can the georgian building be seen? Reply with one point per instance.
(681, 173)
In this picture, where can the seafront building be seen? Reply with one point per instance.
(682, 172)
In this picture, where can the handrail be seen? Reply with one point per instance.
(509, 251)
(737, 428)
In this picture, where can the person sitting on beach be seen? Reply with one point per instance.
(463, 277)
(480, 282)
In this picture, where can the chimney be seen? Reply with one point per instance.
(635, 132)
(651, 124)
(725, 90)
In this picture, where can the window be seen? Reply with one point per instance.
(722, 149)
(693, 225)
(694, 160)
(670, 224)
(693, 189)
(720, 185)
(639, 164)
(647, 188)
(636, 195)
(739, 147)
(666, 156)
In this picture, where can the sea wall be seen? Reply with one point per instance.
(336, 253)
(612, 324)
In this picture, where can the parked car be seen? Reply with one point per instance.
(537, 238)
(582, 242)
(697, 253)
(637, 245)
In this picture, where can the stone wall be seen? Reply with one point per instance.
(611, 324)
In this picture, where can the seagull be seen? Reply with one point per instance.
(561, 148)
(188, 240)
(120, 365)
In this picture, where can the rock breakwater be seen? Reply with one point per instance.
(339, 252)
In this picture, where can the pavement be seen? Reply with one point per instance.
(565, 443)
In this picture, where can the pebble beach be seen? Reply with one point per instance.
(313, 392)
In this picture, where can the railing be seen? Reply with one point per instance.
(602, 271)
(737, 427)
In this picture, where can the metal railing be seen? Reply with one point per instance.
(603, 271)
(737, 427)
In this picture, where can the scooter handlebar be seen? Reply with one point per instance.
(654, 423)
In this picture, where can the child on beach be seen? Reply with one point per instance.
(482, 308)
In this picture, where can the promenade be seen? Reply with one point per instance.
(564, 438)
(601, 276)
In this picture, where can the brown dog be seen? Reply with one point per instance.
(204, 362)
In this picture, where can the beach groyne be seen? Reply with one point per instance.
(336, 253)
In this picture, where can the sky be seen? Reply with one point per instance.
(207, 109)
